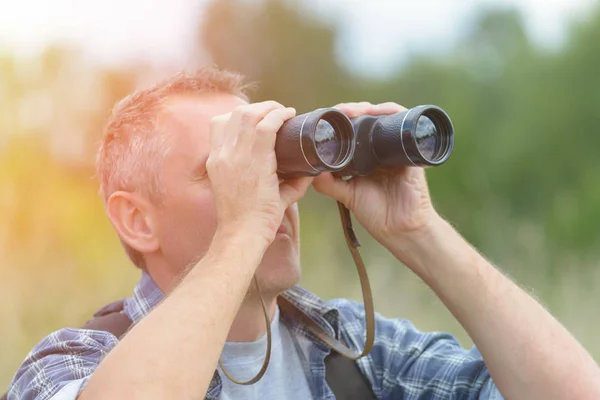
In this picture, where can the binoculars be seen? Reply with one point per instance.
(326, 140)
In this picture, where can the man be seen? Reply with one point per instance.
(188, 175)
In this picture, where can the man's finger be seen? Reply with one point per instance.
(242, 124)
(337, 189)
(266, 130)
(387, 108)
(292, 190)
(217, 134)
(353, 110)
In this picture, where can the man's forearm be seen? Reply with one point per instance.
(173, 352)
(528, 353)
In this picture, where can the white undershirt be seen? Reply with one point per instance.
(285, 377)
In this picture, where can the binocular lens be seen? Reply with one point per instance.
(328, 142)
(318, 141)
(434, 135)
(428, 138)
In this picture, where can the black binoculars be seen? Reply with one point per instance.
(326, 140)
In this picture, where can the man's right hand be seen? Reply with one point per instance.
(242, 168)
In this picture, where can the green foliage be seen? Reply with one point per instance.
(289, 54)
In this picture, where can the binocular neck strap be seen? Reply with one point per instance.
(310, 324)
(316, 329)
(263, 369)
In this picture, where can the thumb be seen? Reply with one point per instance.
(292, 190)
(337, 189)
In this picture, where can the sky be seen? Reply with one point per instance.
(375, 33)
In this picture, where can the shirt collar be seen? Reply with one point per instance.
(148, 295)
(326, 316)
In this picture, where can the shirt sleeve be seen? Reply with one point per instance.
(59, 366)
(408, 364)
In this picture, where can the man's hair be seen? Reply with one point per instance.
(133, 147)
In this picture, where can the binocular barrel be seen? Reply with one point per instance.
(325, 140)
(315, 142)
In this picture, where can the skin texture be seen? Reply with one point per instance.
(224, 206)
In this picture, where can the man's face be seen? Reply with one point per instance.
(186, 218)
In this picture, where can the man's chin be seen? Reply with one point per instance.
(280, 254)
(280, 267)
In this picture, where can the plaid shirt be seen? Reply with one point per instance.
(404, 363)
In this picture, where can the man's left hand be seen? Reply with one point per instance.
(389, 203)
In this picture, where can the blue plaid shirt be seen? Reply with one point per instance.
(404, 363)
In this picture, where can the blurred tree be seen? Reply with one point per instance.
(288, 52)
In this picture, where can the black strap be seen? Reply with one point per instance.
(110, 319)
(345, 378)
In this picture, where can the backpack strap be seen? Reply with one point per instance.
(110, 319)
(345, 379)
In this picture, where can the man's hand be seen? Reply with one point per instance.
(242, 168)
(388, 203)
(514, 333)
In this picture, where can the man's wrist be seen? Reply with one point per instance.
(232, 256)
(425, 248)
(242, 245)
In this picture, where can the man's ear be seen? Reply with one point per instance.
(132, 218)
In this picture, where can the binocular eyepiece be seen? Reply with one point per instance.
(326, 140)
